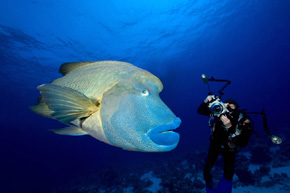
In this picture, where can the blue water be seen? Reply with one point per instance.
(247, 42)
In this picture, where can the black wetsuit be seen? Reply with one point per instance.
(219, 141)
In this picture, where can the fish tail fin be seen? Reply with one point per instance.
(65, 103)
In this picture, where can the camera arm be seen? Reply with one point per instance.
(274, 139)
(205, 80)
(228, 82)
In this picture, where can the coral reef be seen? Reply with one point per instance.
(256, 166)
(281, 158)
(261, 155)
(242, 170)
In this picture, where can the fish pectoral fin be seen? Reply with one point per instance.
(72, 130)
(66, 104)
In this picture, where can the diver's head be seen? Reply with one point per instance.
(232, 104)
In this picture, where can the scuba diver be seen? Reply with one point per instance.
(230, 130)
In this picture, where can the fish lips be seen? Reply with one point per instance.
(163, 134)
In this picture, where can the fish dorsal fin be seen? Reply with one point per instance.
(68, 67)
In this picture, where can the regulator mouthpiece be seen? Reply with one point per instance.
(204, 78)
(275, 139)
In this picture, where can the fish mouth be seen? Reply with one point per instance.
(163, 134)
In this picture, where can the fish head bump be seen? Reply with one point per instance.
(135, 118)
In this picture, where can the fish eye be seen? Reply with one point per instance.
(145, 92)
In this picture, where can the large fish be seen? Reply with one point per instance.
(115, 102)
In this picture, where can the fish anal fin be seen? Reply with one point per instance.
(71, 130)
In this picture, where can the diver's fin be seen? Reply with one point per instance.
(210, 187)
(41, 109)
(210, 190)
(72, 130)
(224, 186)
(68, 67)
(65, 103)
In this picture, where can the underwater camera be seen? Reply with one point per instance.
(217, 107)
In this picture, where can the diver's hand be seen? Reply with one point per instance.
(209, 98)
(226, 121)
